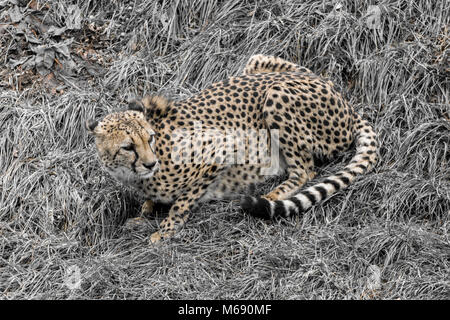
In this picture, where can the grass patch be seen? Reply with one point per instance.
(385, 237)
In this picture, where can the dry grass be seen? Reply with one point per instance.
(386, 237)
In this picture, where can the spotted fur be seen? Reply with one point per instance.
(300, 113)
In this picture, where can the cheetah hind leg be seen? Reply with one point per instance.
(300, 171)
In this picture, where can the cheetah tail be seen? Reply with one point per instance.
(363, 161)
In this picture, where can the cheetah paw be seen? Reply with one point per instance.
(158, 236)
(155, 237)
(147, 208)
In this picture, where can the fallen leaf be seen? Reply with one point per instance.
(15, 15)
(12, 63)
(44, 59)
(55, 31)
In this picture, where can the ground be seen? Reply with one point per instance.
(62, 219)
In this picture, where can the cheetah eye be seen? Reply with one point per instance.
(151, 139)
(129, 147)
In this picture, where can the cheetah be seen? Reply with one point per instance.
(158, 145)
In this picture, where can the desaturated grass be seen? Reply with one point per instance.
(385, 237)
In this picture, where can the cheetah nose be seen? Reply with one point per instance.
(150, 165)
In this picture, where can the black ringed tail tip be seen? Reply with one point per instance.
(258, 207)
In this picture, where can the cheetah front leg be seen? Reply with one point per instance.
(300, 170)
(180, 210)
(178, 215)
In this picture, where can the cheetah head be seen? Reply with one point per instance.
(125, 144)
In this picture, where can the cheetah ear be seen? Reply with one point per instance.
(136, 105)
(91, 124)
(156, 105)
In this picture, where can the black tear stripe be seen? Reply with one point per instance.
(139, 127)
(136, 157)
(115, 154)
